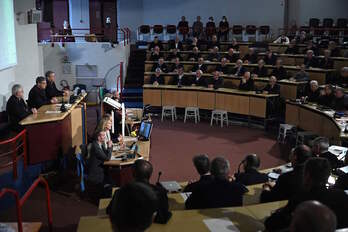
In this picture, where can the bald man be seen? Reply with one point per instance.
(312, 216)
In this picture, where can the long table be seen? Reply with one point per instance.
(314, 73)
(247, 218)
(309, 118)
(51, 133)
(288, 89)
(232, 100)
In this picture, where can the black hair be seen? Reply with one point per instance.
(302, 153)
(318, 169)
(220, 167)
(202, 164)
(252, 161)
(133, 207)
(48, 74)
(142, 170)
(40, 79)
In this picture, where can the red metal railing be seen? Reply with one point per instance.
(13, 143)
(5, 191)
(48, 201)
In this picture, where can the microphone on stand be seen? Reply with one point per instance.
(159, 176)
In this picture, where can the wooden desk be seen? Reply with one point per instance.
(314, 73)
(232, 100)
(53, 134)
(248, 218)
(27, 226)
(308, 118)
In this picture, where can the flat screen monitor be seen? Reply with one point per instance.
(145, 130)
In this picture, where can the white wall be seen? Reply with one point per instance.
(100, 54)
(29, 62)
(79, 15)
(302, 10)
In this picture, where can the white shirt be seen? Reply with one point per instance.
(279, 40)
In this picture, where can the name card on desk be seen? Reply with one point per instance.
(220, 225)
(185, 195)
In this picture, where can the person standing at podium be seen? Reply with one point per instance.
(17, 109)
(37, 94)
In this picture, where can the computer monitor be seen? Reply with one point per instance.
(145, 130)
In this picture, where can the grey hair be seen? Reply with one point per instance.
(314, 82)
(16, 88)
(220, 167)
(322, 142)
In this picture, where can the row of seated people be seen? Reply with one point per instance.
(42, 93)
(216, 188)
(201, 45)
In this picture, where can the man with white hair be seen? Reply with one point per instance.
(342, 79)
(313, 92)
(16, 107)
(199, 80)
(310, 61)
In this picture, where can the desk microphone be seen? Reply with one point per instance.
(159, 176)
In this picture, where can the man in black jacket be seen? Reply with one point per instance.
(199, 80)
(142, 171)
(272, 87)
(279, 71)
(246, 83)
(270, 58)
(217, 81)
(200, 66)
(310, 61)
(290, 183)
(313, 93)
(340, 101)
(260, 70)
(316, 174)
(157, 78)
(320, 148)
(250, 57)
(232, 56)
(37, 95)
(202, 165)
(223, 67)
(239, 69)
(51, 88)
(161, 65)
(221, 192)
(251, 175)
(175, 44)
(17, 109)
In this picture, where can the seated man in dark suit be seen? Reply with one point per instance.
(251, 175)
(194, 56)
(200, 66)
(301, 75)
(173, 55)
(99, 153)
(340, 101)
(176, 66)
(142, 172)
(199, 80)
(326, 62)
(342, 79)
(316, 174)
(246, 83)
(221, 192)
(161, 65)
(232, 56)
(313, 216)
(134, 207)
(176, 44)
(239, 70)
(17, 109)
(292, 48)
(202, 165)
(234, 44)
(270, 58)
(154, 43)
(260, 70)
(326, 96)
(290, 183)
(157, 78)
(213, 43)
(272, 87)
(180, 79)
(320, 148)
(335, 51)
(51, 89)
(279, 71)
(310, 61)
(311, 46)
(223, 67)
(155, 54)
(217, 81)
(214, 56)
(313, 93)
(250, 57)
(37, 95)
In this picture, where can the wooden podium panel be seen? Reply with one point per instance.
(292, 114)
(310, 121)
(318, 76)
(206, 100)
(288, 91)
(232, 103)
(152, 97)
(258, 107)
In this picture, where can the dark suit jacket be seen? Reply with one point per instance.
(172, 45)
(99, 154)
(274, 90)
(261, 72)
(214, 56)
(280, 73)
(333, 160)
(342, 182)
(313, 96)
(293, 50)
(250, 177)
(218, 193)
(247, 86)
(219, 83)
(326, 100)
(251, 58)
(201, 82)
(154, 57)
(163, 67)
(336, 200)
(194, 56)
(239, 72)
(212, 44)
(185, 80)
(287, 185)
(232, 58)
(52, 91)
(270, 60)
(203, 68)
(326, 63)
(163, 214)
(159, 79)
(153, 45)
(311, 62)
(17, 110)
(195, 185)
(224, 69)
(37, 98)
(340, 104)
